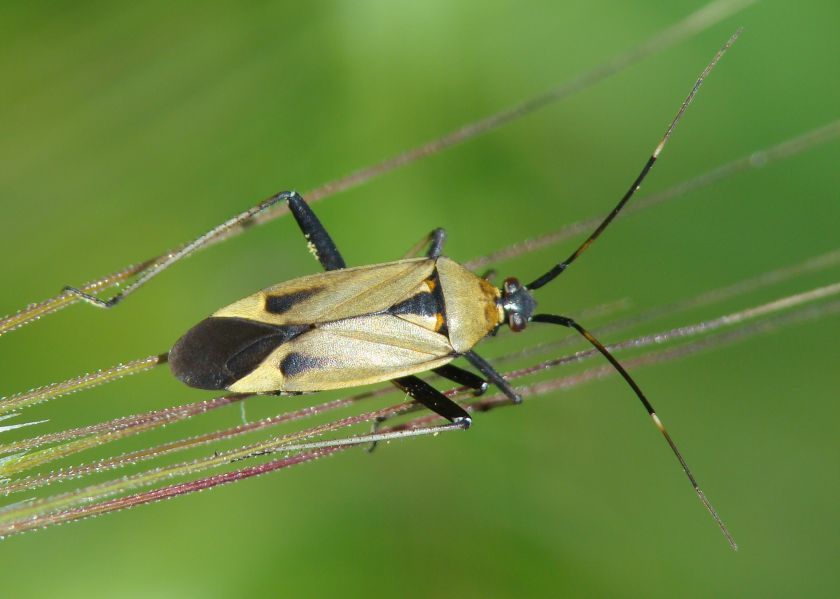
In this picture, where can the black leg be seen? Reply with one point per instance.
(315, 233)
(494, 377)
(374, 428)
(428, 396)
(462, 377)
(437, 402)
(435, 240)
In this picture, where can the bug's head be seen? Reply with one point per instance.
(518, 304)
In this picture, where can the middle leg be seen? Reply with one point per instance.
(462, 377)
(435, 240)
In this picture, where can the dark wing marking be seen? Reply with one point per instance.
(422, 304)
(219, 351)
(296, 363)
(280, 304)
(334, 295)
(426, 307)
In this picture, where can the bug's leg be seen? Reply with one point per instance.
(164, 262)
(423, 393)
(437, 402)
(462, 377)
(493, 376)
(489, 275)
(561, 267)
(374, 428)
(320, 242)
(435, 240)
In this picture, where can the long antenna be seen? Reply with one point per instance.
(568, 322)
(559, 268)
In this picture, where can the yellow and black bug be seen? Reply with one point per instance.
(384, 322)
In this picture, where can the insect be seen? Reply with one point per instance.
(383, 322)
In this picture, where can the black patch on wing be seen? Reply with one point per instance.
(422, 304)
(217, 352)
(296, 363)
(427, 303)
(280, 304)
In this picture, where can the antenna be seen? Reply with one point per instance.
(562, 266)
(568, 322)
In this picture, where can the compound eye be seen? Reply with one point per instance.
(511, 285)
(516, 322)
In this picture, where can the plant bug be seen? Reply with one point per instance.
(384, 322)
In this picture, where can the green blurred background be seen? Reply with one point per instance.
(125, 130)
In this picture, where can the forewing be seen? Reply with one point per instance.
(333, 295)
